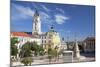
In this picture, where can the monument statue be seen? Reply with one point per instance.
(76, 50)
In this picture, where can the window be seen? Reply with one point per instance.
(49, 41)
(45, 37)
(42, 37)
(42, 41)
(45, 41)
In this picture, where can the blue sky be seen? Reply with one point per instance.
(69, 20)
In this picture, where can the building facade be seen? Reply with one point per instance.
(50, 37)
(89, 44)
(23, 38)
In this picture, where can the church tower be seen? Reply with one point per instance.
(36, 24)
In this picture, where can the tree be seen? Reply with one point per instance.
(41, 51)
(55, 54)
(38, 49)
(50, 54)
(14, 40)
(27, 61)
(26, 54)
(35, 48)
(14, 49)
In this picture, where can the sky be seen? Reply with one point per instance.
(71, 21)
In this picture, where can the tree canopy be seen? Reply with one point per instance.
(14, 49)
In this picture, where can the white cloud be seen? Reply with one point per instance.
(45, 18)
(60, 10)
(22, 12)
(45, 8)
(60, 19)
(18, 16)
(44, 15)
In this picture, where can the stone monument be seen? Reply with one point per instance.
(76, 50)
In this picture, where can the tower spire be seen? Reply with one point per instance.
(36, 12)
(36, 23)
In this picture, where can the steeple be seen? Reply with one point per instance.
(36, 12)
(36, 23)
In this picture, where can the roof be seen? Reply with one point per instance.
(20, 34)
(89, 39)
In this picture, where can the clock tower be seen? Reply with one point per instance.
(36, 24)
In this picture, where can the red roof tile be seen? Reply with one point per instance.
(20, 34)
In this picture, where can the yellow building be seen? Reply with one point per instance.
(51, 39)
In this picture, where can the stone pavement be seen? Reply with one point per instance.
(46, 61)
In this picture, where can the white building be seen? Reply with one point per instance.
(24, 37)
(41, 38)
(36, 24)
(63, 44)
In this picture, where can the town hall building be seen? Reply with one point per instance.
(50, 37)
